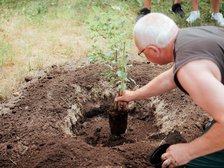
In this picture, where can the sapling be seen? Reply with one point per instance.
(118, 118)
(107, 27)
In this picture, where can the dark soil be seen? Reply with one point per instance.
(61, 120)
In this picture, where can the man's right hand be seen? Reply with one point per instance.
(127, 96)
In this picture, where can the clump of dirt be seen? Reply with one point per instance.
(61, 120)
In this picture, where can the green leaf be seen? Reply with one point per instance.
(121, 74)
(123, 86)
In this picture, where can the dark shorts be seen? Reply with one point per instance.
(214, 160)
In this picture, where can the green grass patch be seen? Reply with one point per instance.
(6, 52)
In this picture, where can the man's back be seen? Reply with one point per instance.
(205, 42)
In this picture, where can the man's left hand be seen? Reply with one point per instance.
(176, 155)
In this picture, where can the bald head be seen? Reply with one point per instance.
(154, 29)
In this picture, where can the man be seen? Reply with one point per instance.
(198, 56)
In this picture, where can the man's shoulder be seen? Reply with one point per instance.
(202, 31)
(207, 27)
(199, 36)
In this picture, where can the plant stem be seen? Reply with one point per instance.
(123, 64)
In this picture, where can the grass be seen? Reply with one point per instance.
(37, 34)
(6, 53)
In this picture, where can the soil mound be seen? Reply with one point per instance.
(61, 120)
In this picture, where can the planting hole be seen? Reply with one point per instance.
(94, 127)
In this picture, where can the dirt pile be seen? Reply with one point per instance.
(61, 120)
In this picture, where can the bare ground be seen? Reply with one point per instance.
(60, 119)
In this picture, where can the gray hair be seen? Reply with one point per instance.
(154, 29)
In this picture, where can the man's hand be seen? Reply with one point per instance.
(176, 155)
(126, 96)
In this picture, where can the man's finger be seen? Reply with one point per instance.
(164, 156)
(166, 163)
(117, 99)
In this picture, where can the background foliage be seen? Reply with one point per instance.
(36, 34)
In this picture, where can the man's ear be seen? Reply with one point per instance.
(153, 52)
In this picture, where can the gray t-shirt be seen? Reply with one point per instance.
(205, 42)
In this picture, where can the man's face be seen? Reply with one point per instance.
(156, 55)
(152, 53)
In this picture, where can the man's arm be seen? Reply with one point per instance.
(160, 84)
(201, 79)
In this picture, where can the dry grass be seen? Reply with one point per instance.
(36, 47)
(40, 34)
